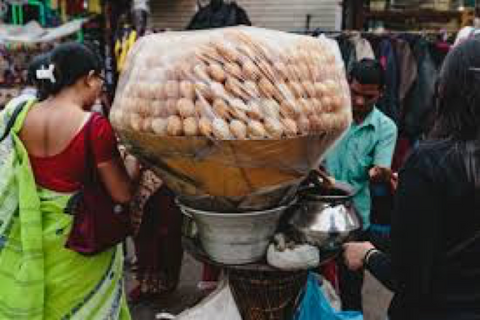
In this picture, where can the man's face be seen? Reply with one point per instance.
(364, 97)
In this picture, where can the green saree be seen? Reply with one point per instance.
(39, 278)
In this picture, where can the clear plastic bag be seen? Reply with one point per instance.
(259, 106)
(233, 84)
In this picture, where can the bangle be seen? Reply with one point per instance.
(369, 253)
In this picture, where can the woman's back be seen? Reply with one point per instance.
(56, 145)
(436, 212)
(48, 128)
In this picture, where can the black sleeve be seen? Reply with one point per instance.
(380, 266)
(416, 226)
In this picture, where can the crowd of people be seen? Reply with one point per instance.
(49, 134)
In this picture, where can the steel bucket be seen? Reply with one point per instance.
(235, 238)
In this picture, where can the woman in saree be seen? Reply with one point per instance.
(42, 165)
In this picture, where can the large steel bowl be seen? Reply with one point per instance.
(235, 238)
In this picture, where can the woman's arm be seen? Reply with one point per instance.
(415, 235)
(110, 164)
(116, 180)
(364, 255)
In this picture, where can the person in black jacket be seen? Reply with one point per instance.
(218, 14)
(434, 265)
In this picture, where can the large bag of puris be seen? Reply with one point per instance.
(232, 119)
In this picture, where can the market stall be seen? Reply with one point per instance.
(234, 121)
(19, 44)
(31, 27)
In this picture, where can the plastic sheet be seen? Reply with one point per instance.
(220, 305)
(237, 115)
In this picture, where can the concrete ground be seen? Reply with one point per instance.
(376, 297)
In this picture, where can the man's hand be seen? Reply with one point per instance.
(394, 181)
(354, 254)
(378, 174)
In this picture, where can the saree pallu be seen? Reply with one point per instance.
(39, 277)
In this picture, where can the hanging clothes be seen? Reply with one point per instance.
(94, 6)
(363, 49)
(420, 101)
(348, 52)
(375, 40)
(54, 5)
(407, 65)
(63, 9)
(389, 102)
(439, 50)
(75, 7)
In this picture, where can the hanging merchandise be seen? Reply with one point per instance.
(124, 43)
(407, 65)
(420, 100)
(75, 7)
(411, 61)
(110, 67)
(54, 4)
(315, 305)
(363, 49)
(94, 6)
(63, 10)
(349, 54)
(389, 101)
(14, 60)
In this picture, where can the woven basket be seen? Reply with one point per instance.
(267, 295)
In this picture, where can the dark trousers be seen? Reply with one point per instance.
(158, 243)
(351, 282)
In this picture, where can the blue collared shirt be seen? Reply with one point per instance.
(364, 146)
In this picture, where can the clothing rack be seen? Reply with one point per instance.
(383, 32)
(357, 13)
(443, 34)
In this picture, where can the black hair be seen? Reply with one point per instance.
(368, 71)
(38, 62)
(457, 115)
(458, 94)
(71, 61)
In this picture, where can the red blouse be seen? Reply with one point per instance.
(65, 172)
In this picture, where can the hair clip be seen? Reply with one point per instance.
(46, 74)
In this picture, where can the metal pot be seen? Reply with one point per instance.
(235, 238)
(326, 217)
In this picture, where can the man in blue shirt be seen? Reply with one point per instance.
(362, 156)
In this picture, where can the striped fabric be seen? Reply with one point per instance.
(39, 278)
